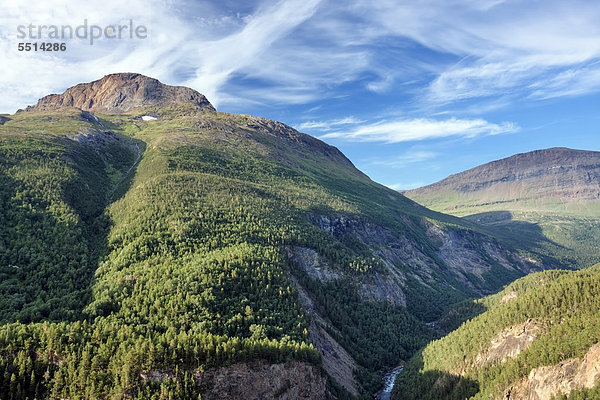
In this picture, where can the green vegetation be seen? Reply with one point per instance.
(561, 239)
(187, 278)
(561, 230)
(52, 196)
(581, 394)
(134, 254)
(564, 305)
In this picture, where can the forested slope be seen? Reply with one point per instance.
(546, 199)
(139, 255)
(540, 337)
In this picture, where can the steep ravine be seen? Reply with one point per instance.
(461, 255)
(337, 362)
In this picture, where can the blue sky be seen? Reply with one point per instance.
(411, 91)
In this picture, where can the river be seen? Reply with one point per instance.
(389, 379)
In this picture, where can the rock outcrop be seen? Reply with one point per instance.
(260, 380)
(510, 342)
(545, 382)
(94, 137)
(461, 253)
(117, 93)
(312, 263)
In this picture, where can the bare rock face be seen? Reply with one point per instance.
(338, 363)
(117, 93)
(457, 254)
(545, 382)
(312, 263)
(510, 342)
(94, 137)
(260, 381)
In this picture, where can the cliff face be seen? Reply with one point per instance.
(468, 257)
(256, 380)
(260, 380)
(337, 362)
(116, 93)
(509, 343)
(545, 199)
(545, 382)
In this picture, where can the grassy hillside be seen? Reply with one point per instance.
(568, 238)
(133, 248)
(545, 200)
(531, 329)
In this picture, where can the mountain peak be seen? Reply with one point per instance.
(533, 164)
(121, 92)
(555, 177)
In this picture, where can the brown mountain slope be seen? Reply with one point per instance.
(116, 93)
(546, 199)
(556, 179)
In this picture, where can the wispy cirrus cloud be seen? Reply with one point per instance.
(325, 126)
(407, 130)
(409, 157)
(571, 82)
(405, 186)
(503, 48)
(240, 51)
(298, 51)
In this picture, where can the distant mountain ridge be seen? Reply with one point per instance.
(548, 198)
(121, 92)
(537, 176)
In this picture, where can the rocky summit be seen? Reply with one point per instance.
(117, 93)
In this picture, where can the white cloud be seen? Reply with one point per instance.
(324, 126)
(405, 186)
(572, 82)
(409, 157)
(218, 60)
(506, 47)
(406, 130)
(242, 97)
(298, 51)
